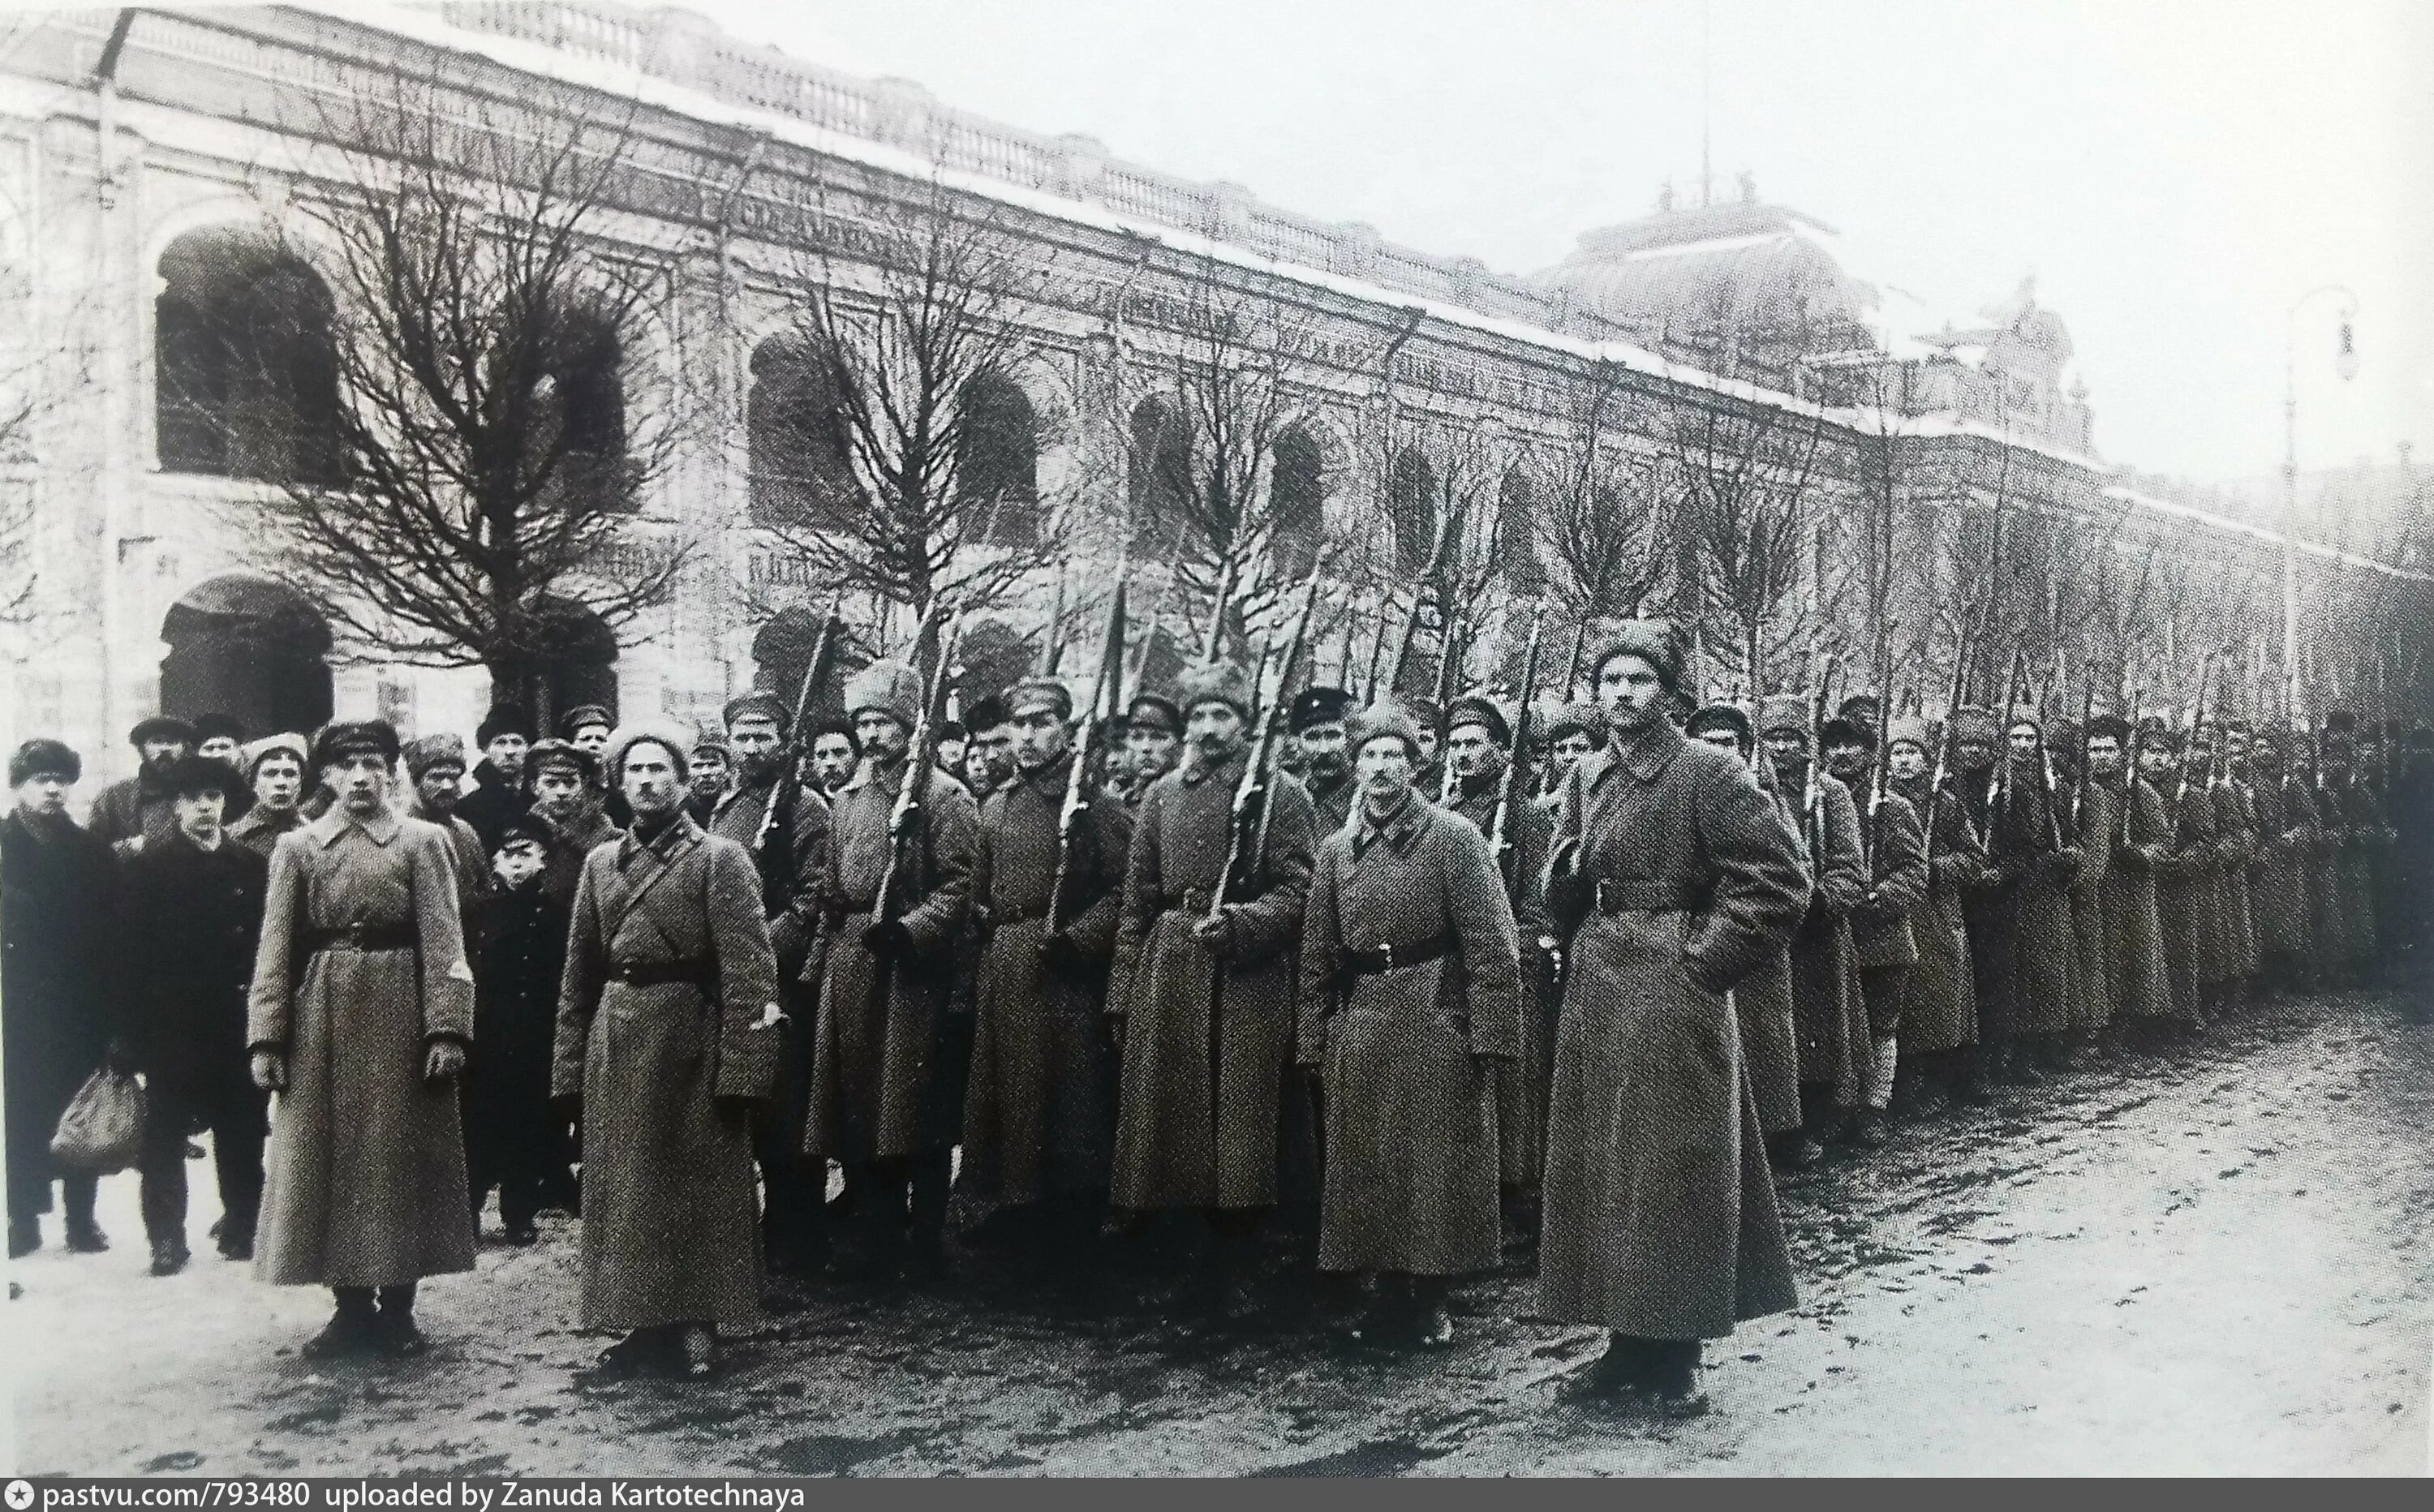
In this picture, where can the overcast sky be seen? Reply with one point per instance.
(2173, 174)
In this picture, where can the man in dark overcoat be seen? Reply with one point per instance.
(2092, 817)
(1886, 945)
(2184, 872)
(2029, 842)
(436, 766)
(1678, 876)
(139, 807)
(1039, 1107)
(713, 768)
(784, 825)
(1153, 742)
(361, 1010)
(1203, 985)
(194, 900)
(1827, 1010)
(2138, 991)
(500, 790)
(1479, 744)
(519, 932)
(2350, 803)
(1938, 1035)
(886, 1094)
(1317, 717)
(667, 1048)
(1762, 1000)
(56, 1007)
(1410, 993)
(2277, 881)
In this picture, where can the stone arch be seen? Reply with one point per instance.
(996, 469)
(246, 645)
(1297, 499)
(797, 469)
(245, 372)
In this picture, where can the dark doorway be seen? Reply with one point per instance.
(249, 647)
(578, 663)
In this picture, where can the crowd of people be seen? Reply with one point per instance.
(1388, 986)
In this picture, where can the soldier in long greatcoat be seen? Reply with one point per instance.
(2350, 803)
(360, 1011)
(667, 1046)
(887, 1093)
(1203, 986)
(1939, 1020)
(1411, 990)
(2138, 991)
(2279, 896)
(1479, 743)
(1676, 878)
(1039, 1107)
(1317, 718)
(2236, 815)
(2092, 817)
(2320, 863)
(1762, 1002)
(1894, 848)
(56, 988)
(784, 825)
(2225, 964)
(2183, 872)
(2029, 844)
(1826, 1006)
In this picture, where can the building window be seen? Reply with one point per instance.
(583, 415)
(997, 461)
(1412, 509)
(1158, 476)
(798, 459)
(246, 375)
(1297, 499)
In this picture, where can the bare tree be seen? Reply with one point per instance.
(1742, 481)
(899, 454)
(1603, 524)
(477, 487)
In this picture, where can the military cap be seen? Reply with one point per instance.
(1783, 711)
(1657, 642)
(2109, 727)
(2153, 733)
(987, 714)
(1730, 717)
(162, 727)
(1844, 730)
(1317, 705)
(1911, 730)
(562, 754)
(885, 687)
(760, 703)
(527, 826)
(1038, 691)
(1216, 682)
(434, 750)
(351, 737)
(503, 719)
(706, 739)
(1154, 712)
(1865, 708)
(1478, 708)
(1386, 720)
(199, 774)
(583, 716)
(43, 757)
(1972, 723)
(1578, 719)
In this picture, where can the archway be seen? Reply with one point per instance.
(244, 373)
(249, 647)
(577, 663)
(997, 463)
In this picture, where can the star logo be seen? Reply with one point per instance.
(20, 1495)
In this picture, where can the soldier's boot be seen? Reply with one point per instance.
(1432, 1320)
(696, 1352)
(1671, 1382)
(76, 1194)
(925, 1251)
(394, 1329)
(350, 1329)
(1623, 1368)
(25, 1234)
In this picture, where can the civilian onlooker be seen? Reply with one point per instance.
(222, 738)
(139, 807)
(274, 766)
(519, 933)
(194, 899)
(54, 936)
(498, 795)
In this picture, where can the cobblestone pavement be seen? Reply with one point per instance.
(2216, 1261)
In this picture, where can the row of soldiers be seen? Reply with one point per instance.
(1408, 999)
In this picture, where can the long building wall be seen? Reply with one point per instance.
(100, 176)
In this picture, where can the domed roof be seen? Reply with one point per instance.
(1746, 268)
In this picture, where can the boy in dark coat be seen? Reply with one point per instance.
(519, 930)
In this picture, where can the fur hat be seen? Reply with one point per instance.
(1038, 691)
(198, 775)
(1154, 712)
(209, 726)
(889, 687)
(1865, 708)
(503, 719)
(1215, 682)
(1972, 723)
(1843, 729)
(2155, 733)
(1317, 705)
(286, 743)
(1722, 716)
(1387, 719)
(1911, 730)
(583, 716)
(160, 727)
(758, 704)
(988, 714)
(346, 737)
(670, 738)
(1578, 719)
(562, 754)
(434, 750)
(1783, 711)
(706, 739)
(41, 757)
(2109, 727)
(1657, 642)
(1478, 708)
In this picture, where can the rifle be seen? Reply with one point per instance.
(776, 883)
(1225, 580)
(2000, 802)
(1253, 789)
(1411, 621)
(1572, 666)
(2086, 716)
(1884, 721)
(2181, 792)
(1084, 771)
(1944, 758)
(920, 766)
(1449, 660)
(2131, 777)
(1510, 789)
(1812, 793)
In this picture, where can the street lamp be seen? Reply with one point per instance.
(2345, 364)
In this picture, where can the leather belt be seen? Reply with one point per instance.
(1647, 895)
(659, 972)
(1373, 960)
(363, 936)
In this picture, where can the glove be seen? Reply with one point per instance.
(443, 1061)
(271, 1070)
(1217, 934)
(1569, 893)
(886, 937)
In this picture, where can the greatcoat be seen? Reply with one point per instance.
(366, 1166)
(261, 828)
(1829, 1013)
(2044, 949)
(1520, 1082)
(1411, 1146)
(1207, 1034)
(198, 917)
(1661, 1215)
(1938, 995)
(667, 1029)
(1991, 908)
(2094, 826)
(1039, 1105)
(2185, 897)
(1331, 801)
(2362, 840)
(519, 943)
(2331, 931)
(1770, 1037)
(490, 803)
(2279, 896)
(2234, 830)
(57, 988)
(137, 807)
(1881, 932)
(791, 866)
(2137, 971)
(883, 1085)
